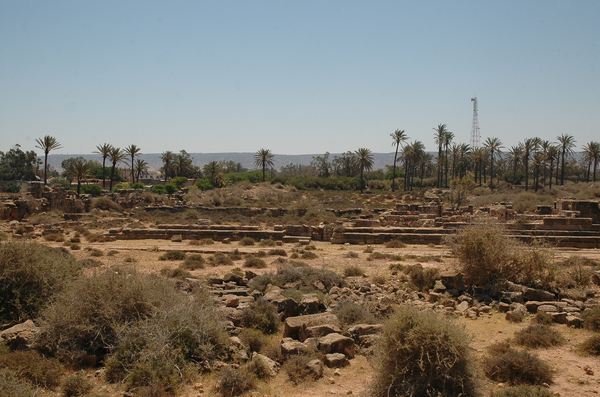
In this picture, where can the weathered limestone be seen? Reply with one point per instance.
(296, 327)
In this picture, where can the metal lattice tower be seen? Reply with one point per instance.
(475, 133)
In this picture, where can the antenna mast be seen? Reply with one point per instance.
(475, 134)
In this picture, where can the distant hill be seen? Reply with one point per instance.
(245, 159)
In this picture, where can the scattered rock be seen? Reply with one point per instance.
(337, 343)
(20, 336)
(336, 360)
(291, 346)
(295, 327)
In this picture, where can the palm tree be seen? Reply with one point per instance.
(448, 137)
(81, 169)
(132, 151)
(364, 159)
(440, 136)
(493, 145)
(398, 138)
(47, 144)
(529, 145)
(263, 159)
(115, 156)
(141, 168)
(211, 170)
(566, 143)
(167, 159)
(552, 156)
(515, 153)
(104, 151)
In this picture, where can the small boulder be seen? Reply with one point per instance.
(20, 336)
(316, 368)
(311, 304)
(337, 343)
(290, 347)
(271, 366)
(336, 360)
(295, 327)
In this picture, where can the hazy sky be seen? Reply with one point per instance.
(294, 76)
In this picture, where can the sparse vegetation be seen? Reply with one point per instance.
(33, 367)
(591, 318)
(234, 382)
(439, 346)
(261, 315)
(221, 259)
(254, 262)
(11, 385)
(506, 364)
(353, 271)
(76, 385)
(352, 313)
(172, 256)
(297, 369)
(247, 241)
(591, 345)
(523, 391)
(421, 278)
(193, 262)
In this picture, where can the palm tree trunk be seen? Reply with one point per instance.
(104, 172)
(562, 168)
(595, 167)
(362, 181)
(550, 178)
(112, 176)
(263, 171)
(78, 185)
(132, 170)
(394, 169)
(587, 177)
(45, 168)
(527, 172)
(492, 169)
(439, 166)
(446, 165)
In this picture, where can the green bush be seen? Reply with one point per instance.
(175, 273)
(164, 189)
(539, 335)
(33, 367)
(30, 274)
(11, 385)
(204, 184)
(76, 386)
(234, 382)
(591, 318)
(422, 353)
(172, 256)
(10, 187)
(221, 259)
(523, 391)
(506, 364)
(137, 186)
(261, 315)
(193, 262)
(93, 190)
(395, 244)
(179, 181)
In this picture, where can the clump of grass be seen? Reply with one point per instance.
(106, 204)
(193, 262)
(33, 367)
(351, 254)
(353, 271)
(175, 273)
(247, 241)
(11, 385)
(539, 335)
(543, 318)
(368, 249)
(395, 244)
(74, 246)
(234, 382)
(591, 318)
(56, 237)
(423, 279)
(591, 345)
(95, 252)
(261, 315)
(253, 338)
(112, 253)
(350, 313)
(90, 263)
(277, 252)
(221, 259)
(308, 255)
(267, 243)
(440, 347)
(76, 385)
(254, 262)
(172, 256)
(506, 364)
(297, 370)
(30, 274)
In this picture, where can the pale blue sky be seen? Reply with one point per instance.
(294, 76)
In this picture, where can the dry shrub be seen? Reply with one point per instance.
(253, 338)
(423, 279)
(57, 237)
(297, 370)
(267, 243)
(591, 318)
(95, 252)
(11, 385)
(76, 385)
(352, 313)
(395, 244)
(221, 259)
(193, 262)
(89, 263)
(351, 254)
(487, 257)
(175, 273)
(308, 255)
(506, 364)
(353, 271)
(259, 367)
(33, 367)
(30, 274)
(277, 252)
(543, 318)
(172, 256)
(538, 335)
(591, 345)
(523, 391)
(149, 329)
(368, 249)
(254, 262)
(261, 315)
(234, 382)
(247, 241)
(438, 345)
(106, 204)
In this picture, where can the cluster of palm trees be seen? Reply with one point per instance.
(116, 155)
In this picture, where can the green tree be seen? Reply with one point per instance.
(364, 159)
(566, 143)
(132, 151)
(530, 145)
(104, 151)
(167, 159)
(440, 137)
(448, 137)
(493, 145)
(141, 169)
(398, 139)
(263, 159)
(211, 171)
(47, 144)
(115, 156)
(17, 164)
(76, 168)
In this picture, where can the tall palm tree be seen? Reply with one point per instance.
(566, 143)
(592, 155)
(141, 168)
(263, 159)
(493, 145)
(104, 151)
(81, 169)
(515, 153)
(132, 151)
(398, 138)
(47, 144)
(364, 158)
(440, 136)
(552, 155)
(529, 145)
(115, 156)
(167, 159)
(211, 170)
(448, 137)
